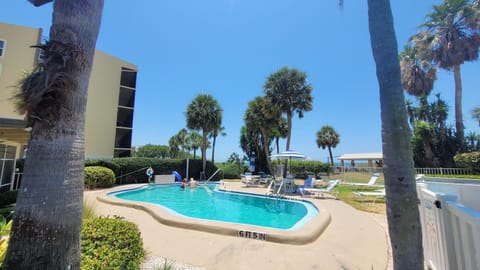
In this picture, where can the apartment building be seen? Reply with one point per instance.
(110, 103)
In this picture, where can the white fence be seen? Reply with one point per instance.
(442, 171)
(450, 217)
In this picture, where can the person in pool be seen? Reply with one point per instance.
(192, 182)
(184, 184)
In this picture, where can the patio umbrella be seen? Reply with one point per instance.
(289, 155)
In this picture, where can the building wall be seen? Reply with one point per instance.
(102, 105)
(17, 57)
(103, 93)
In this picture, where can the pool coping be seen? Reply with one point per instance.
(307, 234)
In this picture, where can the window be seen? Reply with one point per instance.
(2, 47)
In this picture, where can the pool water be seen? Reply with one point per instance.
(207, 202)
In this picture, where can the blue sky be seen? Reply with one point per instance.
(228, 48)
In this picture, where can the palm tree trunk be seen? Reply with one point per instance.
(204, 151)
(458, 107)
(331, 156)
(266, 150)
(401, 196)
(289, 134)
(48, 214)
(213, 148)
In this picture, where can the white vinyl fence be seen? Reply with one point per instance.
(450, 217)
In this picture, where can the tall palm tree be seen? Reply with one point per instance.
(403, 215)
(327, 137)
(195, 140)
(182, 139)
(261, 115)
(289, 91)
(174, 145)
(417, 75)
(48, 214)
(476, 114)
(281, 131)
(203, 114)
(218, 130)
(449, 40)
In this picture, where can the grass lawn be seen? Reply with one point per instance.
(361, 203)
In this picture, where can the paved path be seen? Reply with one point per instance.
(353, 240)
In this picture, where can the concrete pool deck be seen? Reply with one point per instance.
(351, 240)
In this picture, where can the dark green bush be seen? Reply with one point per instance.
(468, 161)
(232, 170)
(111, 243)
(98, 177)
(7, 198)
(107, 163)
(300, 167)
(133, 170)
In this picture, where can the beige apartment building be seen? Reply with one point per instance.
(110, 103)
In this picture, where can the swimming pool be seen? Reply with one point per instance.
(208, 203)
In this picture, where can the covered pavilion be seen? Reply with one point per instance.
(369, 157)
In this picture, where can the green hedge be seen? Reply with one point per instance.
(469, 161)
(98, 177)
(300, 167)
(107, 163)
(232, 170)
(133, 170)
(111, 244)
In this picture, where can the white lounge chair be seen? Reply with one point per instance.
(249, 180)
(370, 183)
(330, 189)
(371, 194)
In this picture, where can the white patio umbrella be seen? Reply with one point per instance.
(289, 155)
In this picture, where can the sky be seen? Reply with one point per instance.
(227, 48)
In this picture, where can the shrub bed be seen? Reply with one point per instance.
(98, 177)
(133, 170)
(469, 161)
(111, 243)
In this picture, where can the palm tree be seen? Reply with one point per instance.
(449, 40)
(174, 146)
(403, 215)
(195, 141)
(182, 139)
(203, 114)
(290, 92)
(261, 115)
(48, 214)
(281, 131)
(417, 75)
(219, 130)
(476, 114)
(327, 137)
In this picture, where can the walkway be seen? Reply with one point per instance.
(353, 240)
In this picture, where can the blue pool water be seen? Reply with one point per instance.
(207, 202)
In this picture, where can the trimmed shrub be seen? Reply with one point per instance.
(111, 243)
(299, 168)
(469, 161)
(98, 177)
(107, 163)
(232, 170)
(133, 170)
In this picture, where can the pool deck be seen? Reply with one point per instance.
(348, 238)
